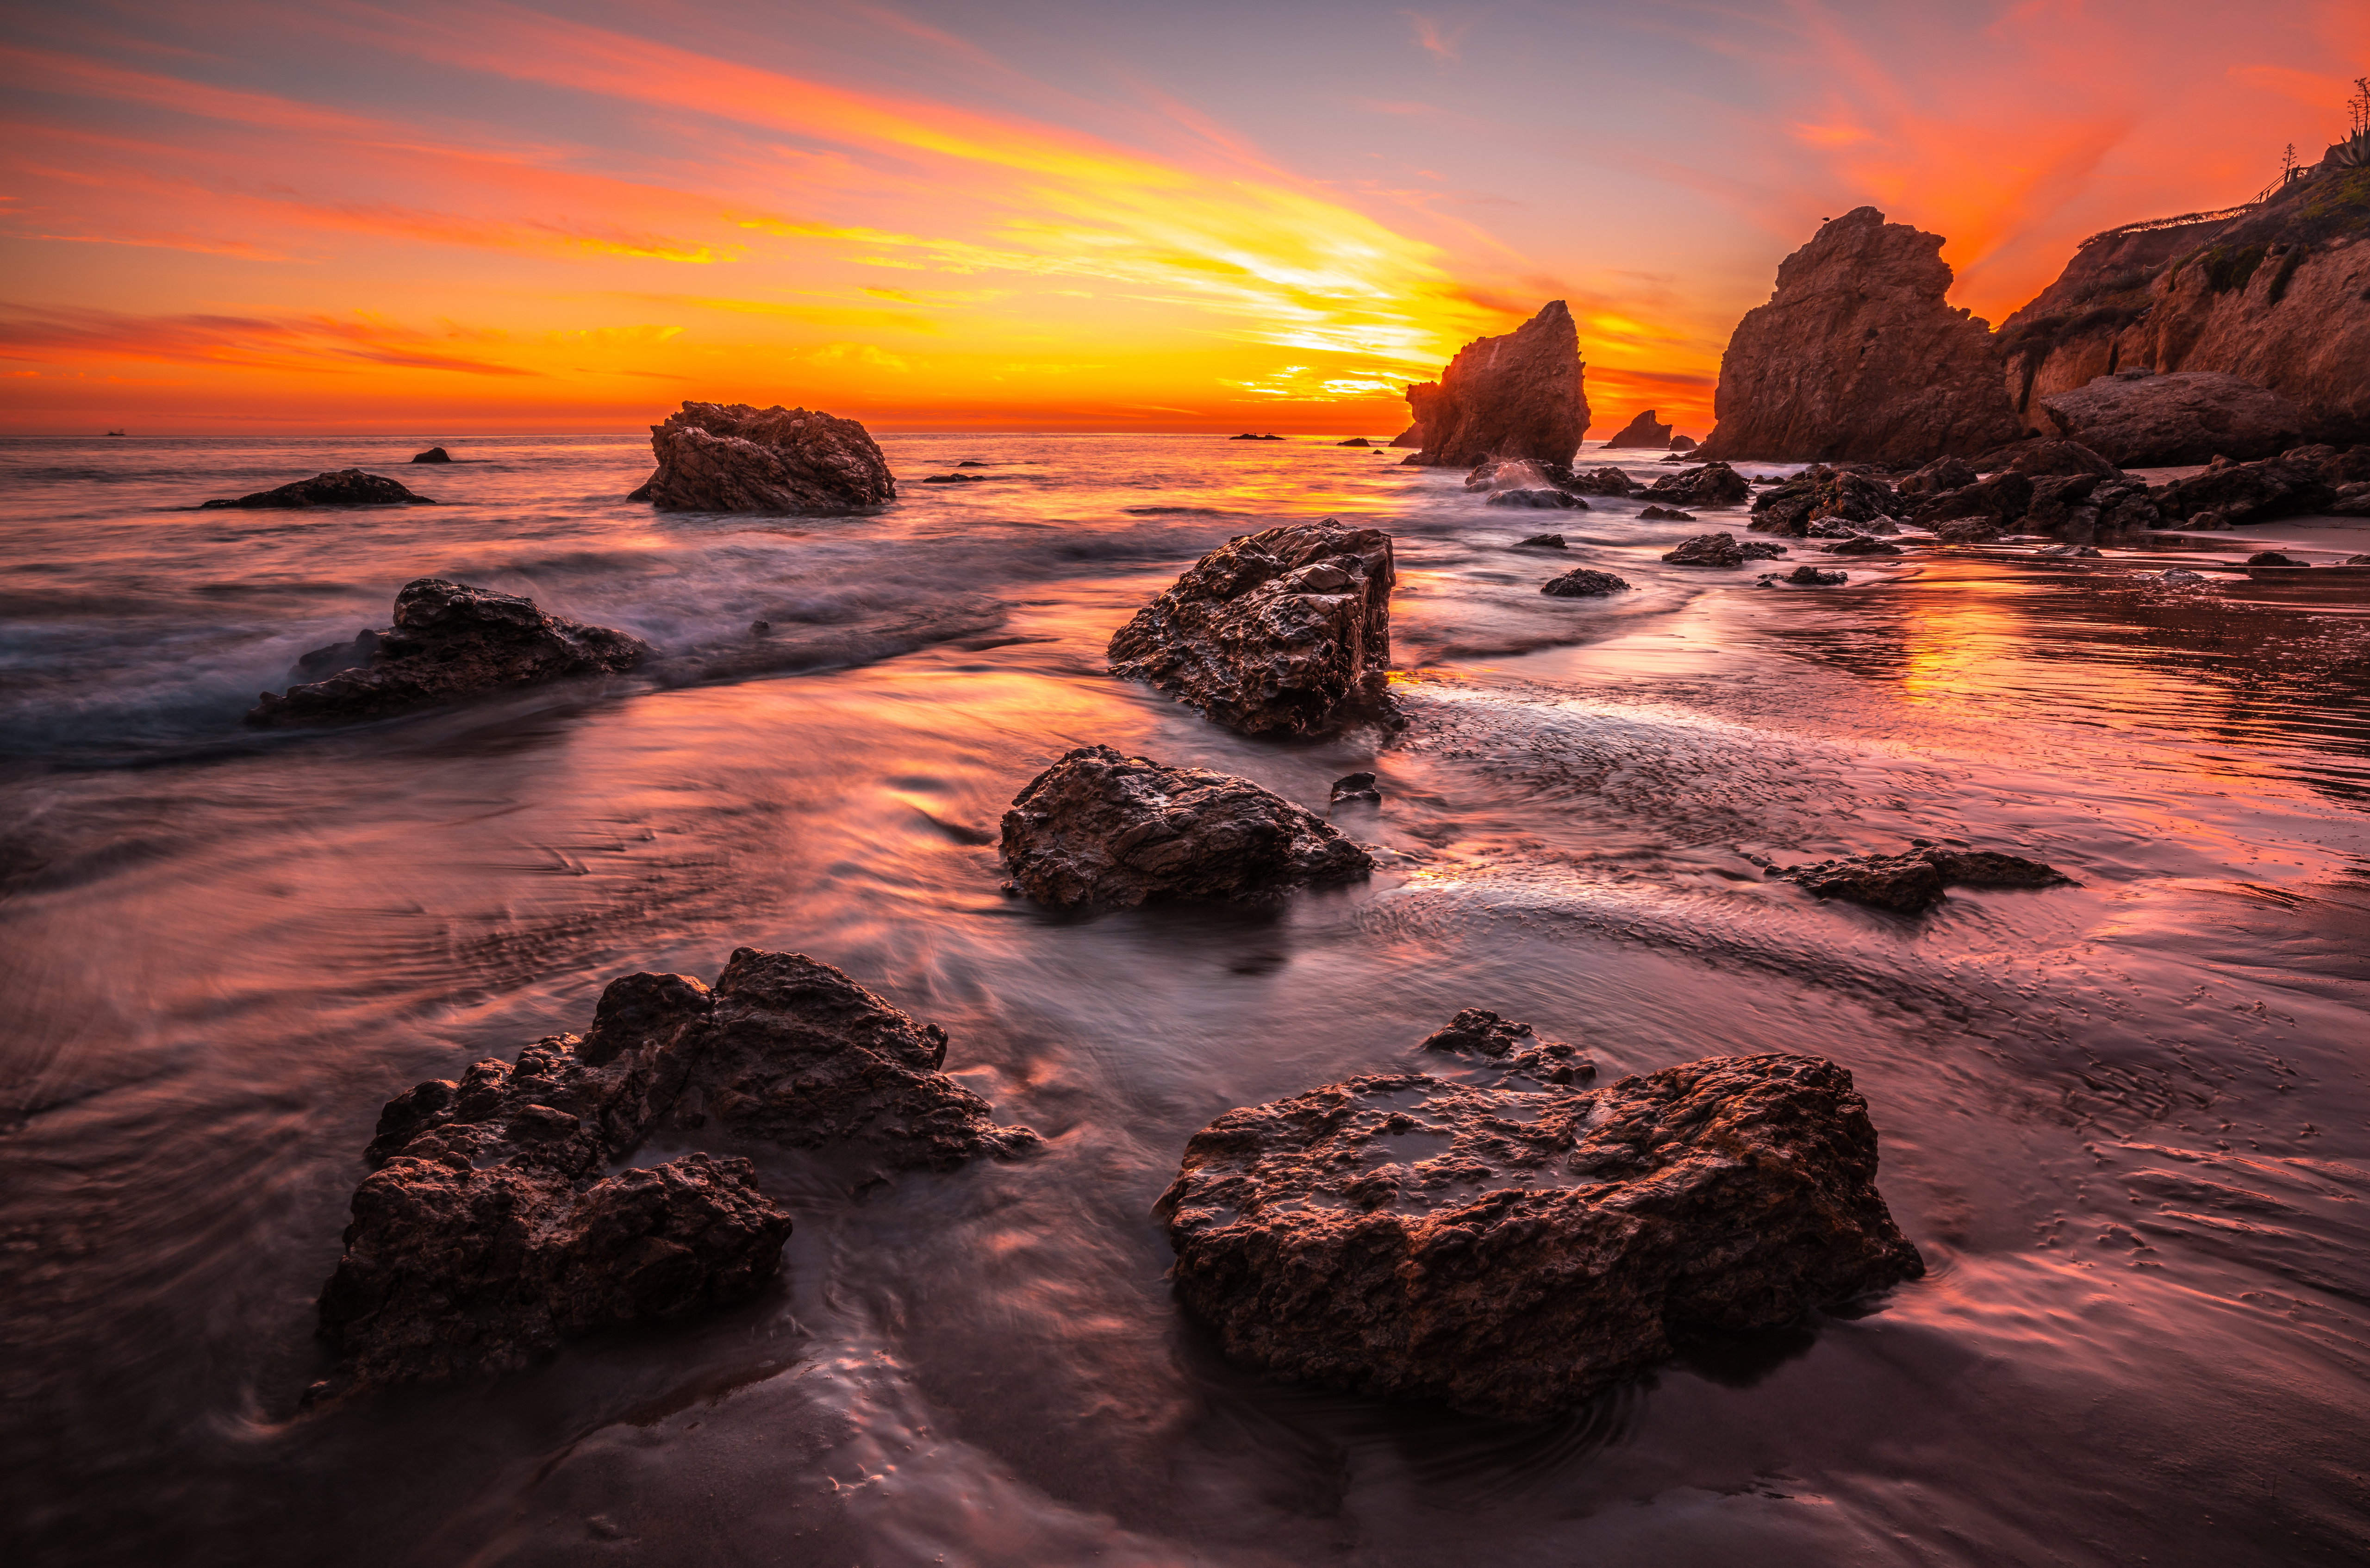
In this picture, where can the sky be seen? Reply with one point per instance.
(249, 216)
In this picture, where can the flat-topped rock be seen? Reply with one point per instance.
(732, 457)
(1513, 1252)
(1098, 828)
(449, 642)
(2137, 418)
(1285, 631)
(345, 488)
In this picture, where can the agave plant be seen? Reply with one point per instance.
(2351, 153)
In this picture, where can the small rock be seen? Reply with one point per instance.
(1707, 550)
(434, 454)
(1812, 576)
(1356, 786)
(1863, 546)
(1582, 583)
(1760, 549)
(1914, 879)
(736, 458)
(1713, 485)
(1354, 440)
(1541, 542)
(1478, 1032)
(1968, 530)
(1545, 500)
(2272, 558)
(2179, 574)
(1666, 514)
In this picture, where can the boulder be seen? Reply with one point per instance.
(2043, 459)
(1514, 1252)
(1605, 481)
(434, 454)
(448, 642)
(1536, 500)
(1280, 632)
(2350, 500)
(1540, 541)
(1354, 787)
(2291, 485)
(346, 488)
(1860, 544)
(2272, 558)
(1937, 477)
(2062, 505)
(1812, 576)
(1713, 485)
(1517, 395)
(2140, 420)
(1967, 530)
(2000, 500)
(1793, 507)
(1857, 355)
(1665, 514)
(1100, 828)
(1914, 879)
(1683, 443)
(1356, 440)
(1582, 583)
(736, 458)
(1643, 430)
(1707, 550)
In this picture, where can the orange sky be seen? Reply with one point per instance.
(257, 216)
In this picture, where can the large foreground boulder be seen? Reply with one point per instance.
(346, 488)
(1858, 356)
(1514, 1252)
(448, 642)
(1283, 631)
(2139, 419)
(1521, 394)
(735, 458)
(1098, 828)
(1645, 430)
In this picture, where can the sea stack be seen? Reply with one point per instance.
(1516, 396)
(1857, 357)
(1643, 430)
(735, 458)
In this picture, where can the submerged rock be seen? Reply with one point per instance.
(434, 454)
(1807, 576)
(1100, 828)
(1275, 632)
(1665, 514)
(1542, 500)
(1713, 485)
(1517, 395)
(1582, 583)
(735, 458)
(1645, 430)
(1514, 1253)
(1478, 1032)
(1540, 541)
(1356, 440)
(1351, 787)
(345, 487)
(448, 642)
(1914, 879)
(2139, 419)
(1707, 550)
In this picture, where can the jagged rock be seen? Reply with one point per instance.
(1413, 435)
(1967, 530)
(2291, 485)
(1275, 632)
(1707, 550)
(1540, 541)
(345, 487)
(1713, 485)
(1937, 477)
(1643, 430)
(1515, 1251)
(2179, 576)
(1582, 583)
(1351, 787)
(1914, 879)
(1860, 544)
(2001, 499)
(1683, 443)
(448, 642)
(736, 458)
(1098, 828)
(1793, 507)
(2062, 505)
(1517, 395)
(1502, 1043)
(1537, 500)
(1858, 356)
(434, 454)
(1759, 549)
(2138, 418)
(1605, 481)
(1665, 514)
(1809, 576)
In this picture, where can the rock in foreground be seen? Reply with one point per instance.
(448, 642)
(1582, 583)
(2137, 418)
(1707, 550)
(735, 458)
(1514, 1253)
(1914, 879)
(346, 488)
(1274, 632)
(1098, 828)
(1517, 395)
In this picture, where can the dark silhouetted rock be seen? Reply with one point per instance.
(1759, 549)
(957, 479)
(2350, 500)
(346, 488)
(1914, 879)
(1540, 541)
(2291, 485)
(1275, 632)
(1683, 443)
(1937, 477)
(448, 642)
(2000, 500)
(1351, 787)
(1812, 576)
(2139, 419)
(1098, 828)
(1246, 436)
(1860, 544)
(1356, 440)
(2042, 459)
(1515, 1251)
(1713, 485)
(1537, 500)
(1967, 530)
(1516, 396)
(1665, 514)
(434, 454)
(1605, 481)
(1642, 431)
(2272, 558)
(735, 458)
(1582, 583)
(1857, 355)
(1707, 550)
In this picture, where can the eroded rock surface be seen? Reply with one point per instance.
(1913, 880)
(735, 458)
(1580, 582)
(345, 487)
(1707, 550)
(1477, 1032)
(2138, 418)
(448, 642)
(2307, 479)
(1515, 1251)
(1098, 828)
(1645, 430)
(1521, 394)
(1285, 631)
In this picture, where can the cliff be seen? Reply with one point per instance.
(1521, 394)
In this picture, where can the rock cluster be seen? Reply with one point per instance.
(1857, 355)
(2307, 479)
(1914, 879)
(448, 642)
(1720, 550)
(1793, 507)
(1645, 430)
(1098, 828)
(1514, 1252)
(1281, 632)
(346, 488)
(1582, 583)
(1521, 394)
(735, 458)
(1713, 485)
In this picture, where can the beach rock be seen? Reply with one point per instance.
(1857, 355)
(1913, 880)
(1937, 477)
(735, 458)
(2139, 419)
(1793, 507)
(434, 454)
(1280, 632)
(2069, 552)
(2350, 500)
(2042, 459)
(1967, 530)
(448, 642)
(1643, 430)
(2000, 500)
(1539, 500)
(2062, 505)
(1860, 544)
(2291, 485)
(1476, 1032)
(1759, 549)
(1352, 787)
(957, 478)
(2272, 558)
(1517, 395)
(1356, 440)
(2180, 577)
(1683, 443)
(345, 487)
(1713, 485)
(1812, 576)
(1665, 514)
(1540, 541)
(1582, 583)
(1098, 828)
(1605, 481)
(1707, 550)
(1515, 1251)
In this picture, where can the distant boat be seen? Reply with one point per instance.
(115, 432)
